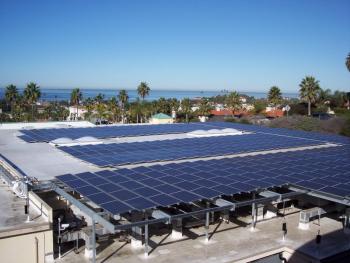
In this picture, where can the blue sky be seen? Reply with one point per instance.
(195, 45)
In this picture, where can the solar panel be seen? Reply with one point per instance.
(131, 189)
(166, 150)
(86, 190)
(185, 196)
(141, 203)
(116, 207)
(100, 198)
(46, 135)
(123, 194)
(165, 200)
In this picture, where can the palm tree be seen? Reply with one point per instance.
(113, 109)
(347, 61)
(18, 109)
(174, 105)
(204, 108)
(233, 101)
(89, 104)
(11, 96)
(75, 97)
(309, 89)
(163, 105)
(324, 95)
(143, 90)
(101, 111)
(32, 94)
(99, 98)
(186, 107)
(275, 95)
(123, 98)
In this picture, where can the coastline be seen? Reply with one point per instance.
(63, 94)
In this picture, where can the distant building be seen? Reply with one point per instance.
(273, 112)
(219, 107)
(194, 108)
(243, 99)
(73, 115)
(202, 118)
(223, 112)
(161, 118)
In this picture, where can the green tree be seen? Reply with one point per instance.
(163, 106)
(99, 98)
(259, 105)
(309, 89)
(113, 109)
(204, 108)
(89, 105)
(347, 62)
(11, 96)
(186, 107)
(123, 98)
(174, 105)
(324, 95)
(233, 101)
(274, 96)
(75, 97)
(135, 110)
(55, 112)
(32, 94)
(148, 109)
(101, 111)
(143, 90)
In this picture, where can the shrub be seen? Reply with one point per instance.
(337, 125)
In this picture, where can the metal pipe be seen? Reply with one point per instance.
(93, 241)
(253, 212)
(59, 237)
(146, 235)
(27, 199)
(37, 249)
(105, 223)
(207, 224)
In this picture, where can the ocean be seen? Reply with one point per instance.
(58, 94)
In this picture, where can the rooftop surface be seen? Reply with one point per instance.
(230, 243)
(44, 161)
(14, 207)
(320, 153)
(39, 160)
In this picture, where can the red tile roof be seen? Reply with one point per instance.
(221, 112)
(274, 113)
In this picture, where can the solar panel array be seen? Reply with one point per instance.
(122, 190)
(47, 135)
(115, 154)
(282, 132)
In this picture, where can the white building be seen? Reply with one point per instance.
(74, 115)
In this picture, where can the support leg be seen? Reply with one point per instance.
(146, 236)
(253, 213)
(93, 242)
(207, 225)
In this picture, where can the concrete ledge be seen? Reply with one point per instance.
(24, 229)
(41, 205)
